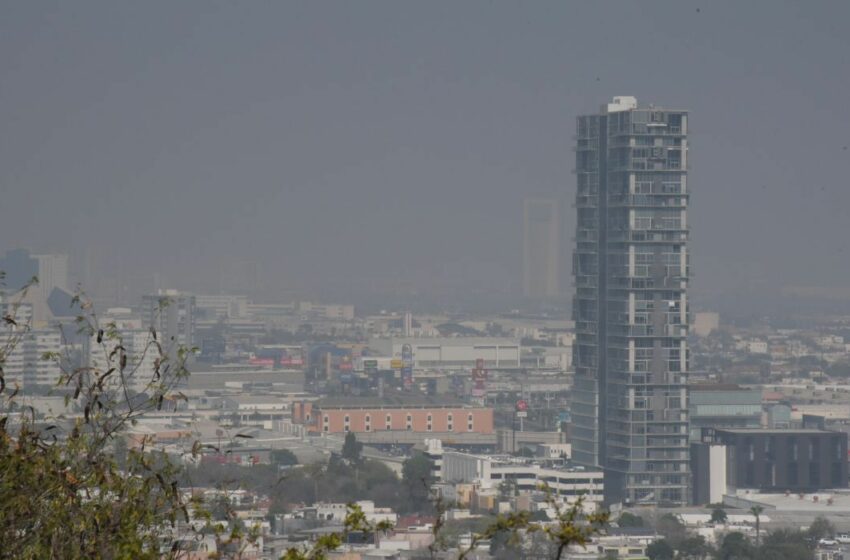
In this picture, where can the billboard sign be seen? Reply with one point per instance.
(407, 366)
(479, 378)
(370, 367)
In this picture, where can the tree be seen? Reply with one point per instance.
(505, 545)
(508, 489)
(787, 544)
(660, 550)
(63, 493)
(627, 519)
(335, 480)
(838, 369)
(672, 529)
(820, 528)
(735, 546)
(355, 522)
(756, 511)
(416, 477)
(694, 547)
(283, 458)
(718, 516)
(352, 449)
(571, 527)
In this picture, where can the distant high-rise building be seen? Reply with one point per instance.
(172, 314)
(25, 364)
(137, 345)
(541, 249)
(19, 267)
(51, 271)
(629, 408)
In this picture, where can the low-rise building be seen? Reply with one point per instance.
(410, 413)
(337, 511)
(527, 475)
(453, 352)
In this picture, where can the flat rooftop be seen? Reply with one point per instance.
(825, 502)
(717, 387)
(452, 341)
(770, 431)
(392, 401)
(502, 460)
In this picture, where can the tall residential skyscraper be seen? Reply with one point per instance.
(541, 249)
(631, 272)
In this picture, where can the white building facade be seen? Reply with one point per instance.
(490, 471)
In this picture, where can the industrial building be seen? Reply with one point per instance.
(459, 352)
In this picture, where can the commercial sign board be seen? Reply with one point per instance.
(370, 367)
(479, 379)
(407, 366)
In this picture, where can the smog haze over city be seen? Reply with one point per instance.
(443, 280)
(366, 149)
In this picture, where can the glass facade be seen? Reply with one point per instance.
(631, 268)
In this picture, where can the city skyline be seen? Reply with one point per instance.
(314, 140)
(492, 280)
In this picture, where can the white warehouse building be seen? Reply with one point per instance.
(457, 352)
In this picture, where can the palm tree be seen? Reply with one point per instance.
(756, 511)
(316, 471)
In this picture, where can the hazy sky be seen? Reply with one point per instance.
(392, 142)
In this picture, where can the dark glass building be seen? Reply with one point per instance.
(784, 460)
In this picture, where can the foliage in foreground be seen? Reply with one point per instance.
(62, 493)
(355, 522)
(570, 527)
